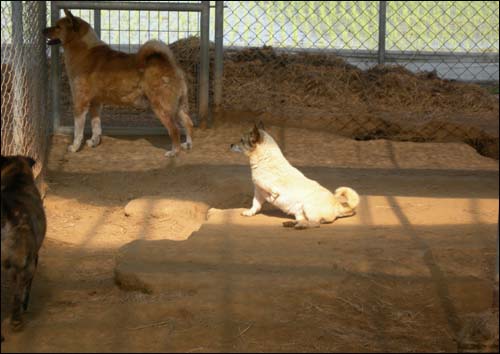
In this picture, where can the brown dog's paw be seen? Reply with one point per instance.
(93, 142)
(16, 325)
(73, 148)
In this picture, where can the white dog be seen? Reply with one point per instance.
(281, 184)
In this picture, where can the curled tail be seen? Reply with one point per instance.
(154, 49)
(346, 195)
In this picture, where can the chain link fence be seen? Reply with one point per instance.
(316, 64)
(457, 39)
(25, 120)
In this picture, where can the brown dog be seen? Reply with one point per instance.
(100, 75)
(23, 229)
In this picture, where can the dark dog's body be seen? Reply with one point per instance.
(23, 229)
(100, 75)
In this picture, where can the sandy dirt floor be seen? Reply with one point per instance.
(412, 271)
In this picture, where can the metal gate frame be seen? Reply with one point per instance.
(203, 81)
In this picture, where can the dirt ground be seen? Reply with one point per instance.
(412, 271)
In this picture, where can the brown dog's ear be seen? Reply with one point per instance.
(261, 125)
(255, 136)
(73, 20)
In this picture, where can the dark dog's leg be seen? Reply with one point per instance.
(23, 279)
(27, 291)
(16, 317)
(95, 116)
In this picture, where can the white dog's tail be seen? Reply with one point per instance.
(347, 195)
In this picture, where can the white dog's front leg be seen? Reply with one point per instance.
(78, 131)
(272, 194)
(258, 201)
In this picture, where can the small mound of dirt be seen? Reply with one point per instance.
(174, 219)
(159, 207)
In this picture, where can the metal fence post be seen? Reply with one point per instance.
(55, 74)
(42, 23)
(18, 86)
(204, 64)
(97, 22)
(382, 31)
(219, 53)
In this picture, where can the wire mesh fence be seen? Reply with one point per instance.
(25, 120)
(458, 39)
(318, 48)
(316, 64)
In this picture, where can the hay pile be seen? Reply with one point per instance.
(262, 79)
(266, 80)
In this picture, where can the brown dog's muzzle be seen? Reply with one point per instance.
(50, 41)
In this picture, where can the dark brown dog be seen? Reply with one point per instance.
(100, 75)
(23, 229)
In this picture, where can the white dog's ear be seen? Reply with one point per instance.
(261, 125)
(255, 136)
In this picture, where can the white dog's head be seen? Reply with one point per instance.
(249, 141)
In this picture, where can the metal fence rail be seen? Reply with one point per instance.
(25, 122)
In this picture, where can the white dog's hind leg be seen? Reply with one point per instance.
(95, 115)
(78, 130)
(301, 222)
(299, 217)
(258, 201)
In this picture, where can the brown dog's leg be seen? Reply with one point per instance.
(162, 94)
(173, 130)
(80, 110)
(95, 116)
(187, 123)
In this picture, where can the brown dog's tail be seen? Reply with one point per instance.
(154, 49)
